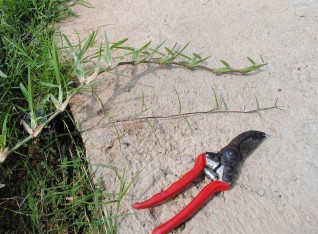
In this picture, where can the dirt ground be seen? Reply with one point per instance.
(276, 190)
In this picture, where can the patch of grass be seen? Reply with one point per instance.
(27, 29)
(45, 185)
(48, 185)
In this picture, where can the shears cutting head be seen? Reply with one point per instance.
(231, 155)
(246, 142)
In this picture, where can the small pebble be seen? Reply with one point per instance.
(308, 218)
(261, 192)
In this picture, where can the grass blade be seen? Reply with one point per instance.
(30, 93)
(176, 54)
(2, 74)
(56, 64)
(117, 44)
(251, 60)
(78, 65)
(108, 52)
(251, 68)
(49, 85)
(56, 103)
(24, 91)
(215, 99)
(179, 101)
(188, 123)
(153, 51)
(225, 63)
(153, 131)
(142, 48)
(3, 136)
(87, 44)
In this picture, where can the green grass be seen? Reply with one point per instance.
(45, 185)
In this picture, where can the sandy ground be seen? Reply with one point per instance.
(276, 190)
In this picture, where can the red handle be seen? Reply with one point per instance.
(192, 207)
(176, 187)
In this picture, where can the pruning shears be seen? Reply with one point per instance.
(219, 167)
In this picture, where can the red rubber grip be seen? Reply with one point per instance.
(176, 187)
(192, 207)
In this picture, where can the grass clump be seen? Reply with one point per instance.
(45, 185)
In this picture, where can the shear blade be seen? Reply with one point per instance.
(247, 142)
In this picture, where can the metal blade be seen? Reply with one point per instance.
(247, 142)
